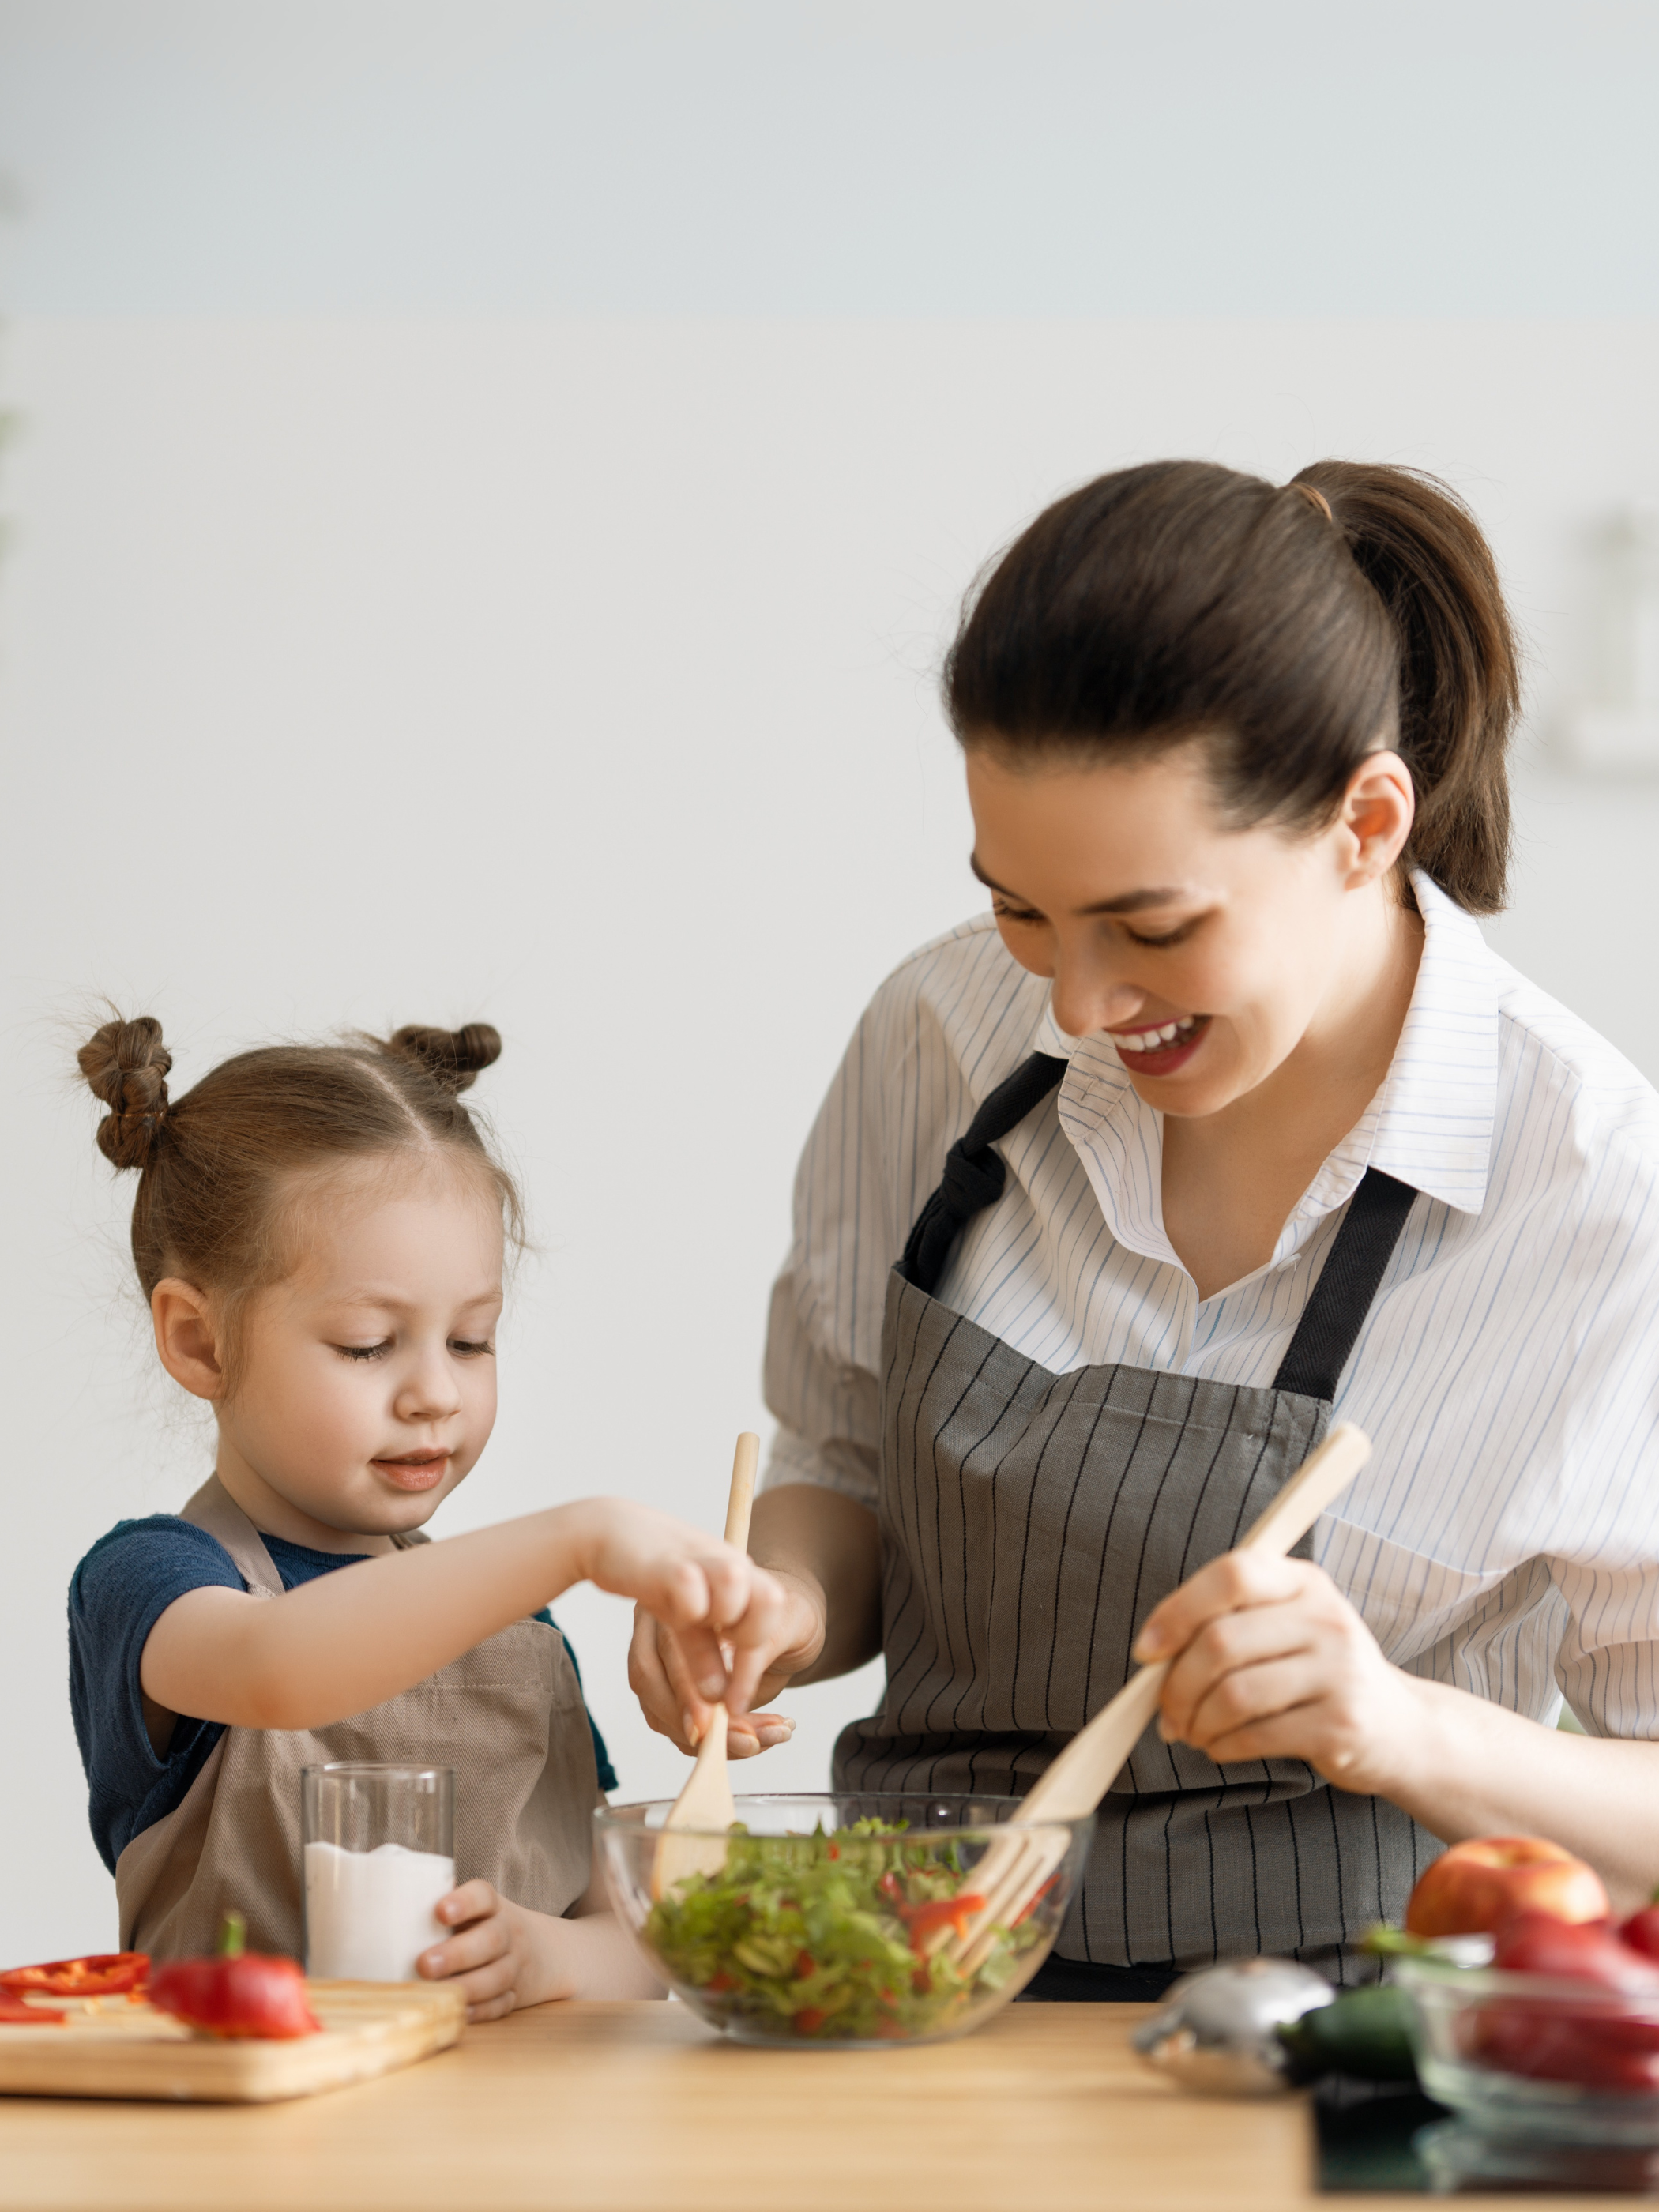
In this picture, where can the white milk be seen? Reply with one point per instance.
(370, 1914)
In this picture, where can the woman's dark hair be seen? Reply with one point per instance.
(221, 1170)
(1295, 629)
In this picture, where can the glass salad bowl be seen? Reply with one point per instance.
(1529, 2055)
(835, 1920)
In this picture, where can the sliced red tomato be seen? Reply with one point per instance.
(941, 1912)
(809, 2020)
(103, 1974)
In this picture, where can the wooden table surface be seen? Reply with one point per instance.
(638, 2108)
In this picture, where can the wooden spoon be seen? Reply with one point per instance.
(706, 1803)
(1016, 1866)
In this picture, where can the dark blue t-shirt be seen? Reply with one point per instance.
(118, 1592)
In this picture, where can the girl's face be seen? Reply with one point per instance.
(1208, 954)
(367, 1381)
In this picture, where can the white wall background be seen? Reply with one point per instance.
(530, 613)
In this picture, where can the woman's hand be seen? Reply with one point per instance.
(1271, 1662)
(503, 1955)
(661, 1672)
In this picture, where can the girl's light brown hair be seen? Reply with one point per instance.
(219, 1169)
(1294, 630)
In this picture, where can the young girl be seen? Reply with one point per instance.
(319, 1232)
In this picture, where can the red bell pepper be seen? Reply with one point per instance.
(1548, 2044)
(13, 2013)
(1580, 1950)
(236, 1993)
(1641, 1931)
(1600, 2047)
(106, 1973)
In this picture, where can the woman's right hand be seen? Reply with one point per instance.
(660, 1676)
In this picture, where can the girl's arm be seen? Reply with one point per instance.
(1273, 1662)
(355, 1638)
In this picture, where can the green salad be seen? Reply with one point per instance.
(827, 1936)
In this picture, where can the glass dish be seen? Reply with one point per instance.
(815, 1935)
(1531, 2055)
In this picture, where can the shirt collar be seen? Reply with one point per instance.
(1430, 1124)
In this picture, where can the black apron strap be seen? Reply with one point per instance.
(1331, 1321)
(974, 1174)
(1334, 1316)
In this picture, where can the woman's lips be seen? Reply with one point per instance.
(1166, 1056)
(415, 1471)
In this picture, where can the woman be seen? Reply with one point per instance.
(1226, 1119)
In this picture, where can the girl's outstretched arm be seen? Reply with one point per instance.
(352, 1639)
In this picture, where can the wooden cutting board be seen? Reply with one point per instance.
(111, 2047)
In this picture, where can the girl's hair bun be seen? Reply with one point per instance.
(453, 1057)
(126, 1065)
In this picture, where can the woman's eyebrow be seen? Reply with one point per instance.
(1131, 901)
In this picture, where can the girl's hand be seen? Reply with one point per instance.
(714, 1598)
(500, 1954)
(503, 1955)
(1272, 1662)
(661, 1672)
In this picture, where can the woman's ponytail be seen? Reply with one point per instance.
(1294, 629)
(1422, 552)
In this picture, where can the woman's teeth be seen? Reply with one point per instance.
(1155, 1039)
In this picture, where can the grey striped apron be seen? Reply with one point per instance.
(1030, 1522)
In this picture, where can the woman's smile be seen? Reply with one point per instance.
(1159, 1048)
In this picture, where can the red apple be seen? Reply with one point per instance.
(1475, 1888)
(1641, 1931)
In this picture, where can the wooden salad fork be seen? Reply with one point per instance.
(706, 1803)
(1014, 1870)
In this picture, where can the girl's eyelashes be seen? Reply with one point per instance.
(463, 1347)
(1005, 913)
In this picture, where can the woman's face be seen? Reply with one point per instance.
(1208, 954)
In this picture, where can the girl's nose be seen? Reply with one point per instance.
(430, 1394)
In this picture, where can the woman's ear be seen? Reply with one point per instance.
(185, 1338)
(1378, 809)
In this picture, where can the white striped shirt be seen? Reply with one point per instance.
(1504, 1537)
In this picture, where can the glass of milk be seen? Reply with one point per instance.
(379, 1853)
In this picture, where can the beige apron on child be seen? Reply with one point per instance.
(508, 1716)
